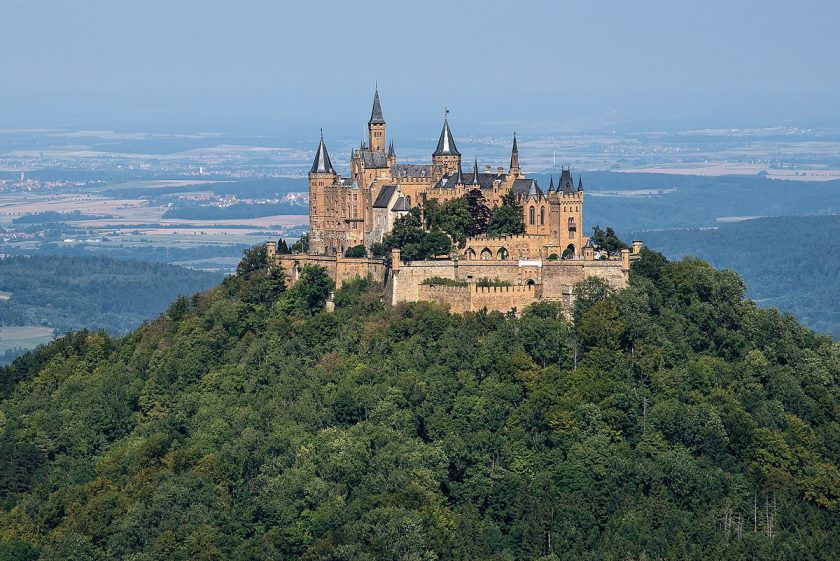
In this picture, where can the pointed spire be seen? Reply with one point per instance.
(514, 156)
(580, 183)
(459, 179)
(376, 117)
(322, 162)
(475, 173)
(391, 153)
(446, 144)
(551, 185)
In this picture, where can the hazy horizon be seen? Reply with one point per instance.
(259, 67)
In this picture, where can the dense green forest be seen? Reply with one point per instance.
(74, 292)
(789, 262)
(670, 420)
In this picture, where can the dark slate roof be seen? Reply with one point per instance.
(526, 188)
(485, 180)
(391, 152)
(376, 117)
(322, 162)
(474, 180)
(551, 185)
(411, 170)
(401, 205)
(566, 184)
(384, 196)
(373, 158)
(580, 183)
(446, 144)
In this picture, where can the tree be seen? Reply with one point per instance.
(282, 247)
(312, 289)
(607, 240)
(507, 218)
(356, 251)
(454, 218)
(302, 245)
(436, 243)
(377, 249)
(254, 258)
(477, 205)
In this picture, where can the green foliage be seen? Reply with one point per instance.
(652, 428)
(74, 292)
(413, 240)
(254, 258)
(487, 282)
(302, 245)
(607, 240)
(440, 281)
(507, 218)
(377, 249)
(356, 251)
(479, 211)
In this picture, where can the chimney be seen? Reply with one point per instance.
(487, 168)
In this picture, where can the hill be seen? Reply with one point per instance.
(790, 262)
(671, 420)
(67, 293)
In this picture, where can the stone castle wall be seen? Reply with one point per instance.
(472, 298)
(341, 269)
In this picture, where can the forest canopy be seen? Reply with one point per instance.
(670, 420)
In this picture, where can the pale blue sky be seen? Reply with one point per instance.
(267, 65)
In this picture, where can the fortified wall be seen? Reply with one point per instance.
(530, 280)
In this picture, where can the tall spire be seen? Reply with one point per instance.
(551, 185)
(514, 156)
(376, 117)
(391, 153)
(580, 183)
(459, 179)
(446, 144)
(475, 173)
(322, 162)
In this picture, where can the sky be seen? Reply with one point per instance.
(277, 67)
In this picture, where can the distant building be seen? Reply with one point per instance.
(542, 264)
(349, 211)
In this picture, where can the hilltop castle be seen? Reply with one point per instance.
(543, 263)
(360, 209)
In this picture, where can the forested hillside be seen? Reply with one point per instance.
(788, 262)
(76, 292)
(671, 420)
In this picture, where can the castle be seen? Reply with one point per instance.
(541, 264)
(361, 209)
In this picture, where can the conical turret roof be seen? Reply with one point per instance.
(446, 144)
(322, 163)
(475, 180)
(376, 117)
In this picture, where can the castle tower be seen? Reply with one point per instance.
(376, 125)
(514, 158)
(446, 155)
(321, 177)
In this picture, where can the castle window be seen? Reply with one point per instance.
(542, 215)
(531, 212)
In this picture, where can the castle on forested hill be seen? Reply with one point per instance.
(362, 208)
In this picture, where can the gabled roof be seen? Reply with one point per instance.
(373, 159)
(376, 117)
(401, 205)
(567, 183)
(446, 144)
(322, 162)
(526, 188)
(384, 196)
(485, 180)
(411, 170)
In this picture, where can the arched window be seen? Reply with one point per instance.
(408, 200)
(531, 212)
(486, 254)
(469, 254)
(542, 216)
(502, 254)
